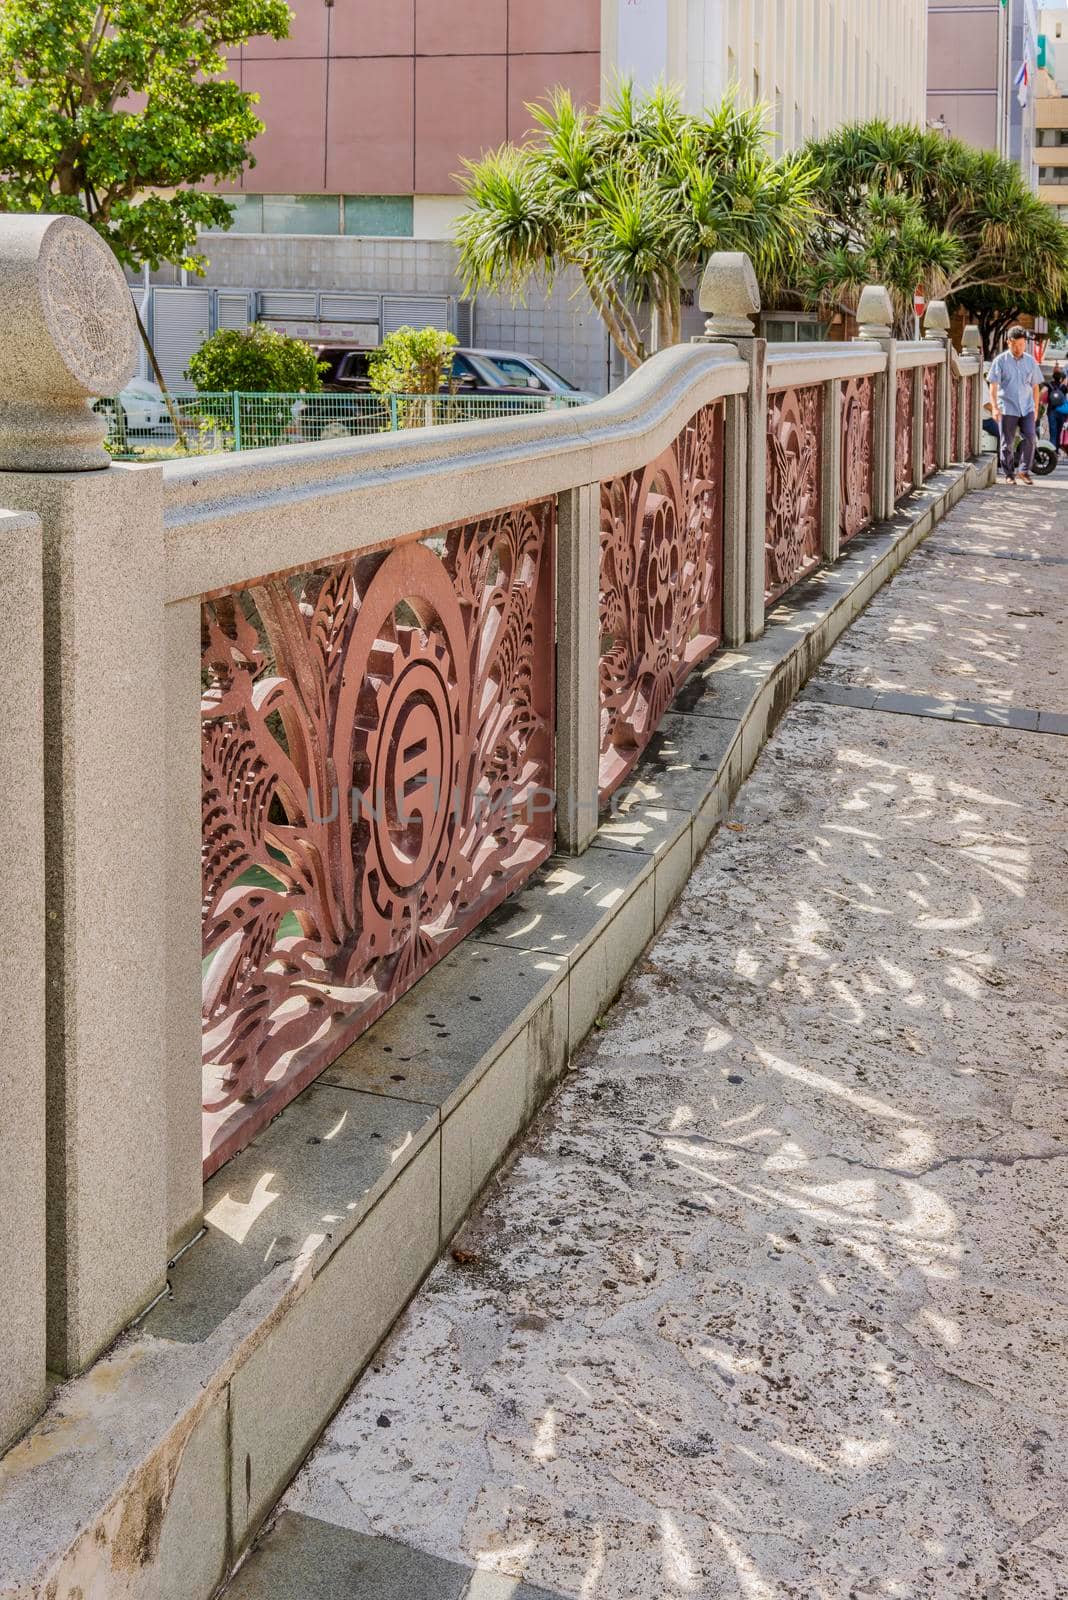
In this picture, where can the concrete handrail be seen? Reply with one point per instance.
(229, 519)
(793, 365)
(920, 353)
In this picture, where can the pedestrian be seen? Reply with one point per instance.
(1057, 406)
(1015, 379)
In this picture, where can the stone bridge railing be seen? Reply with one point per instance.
(309, 715)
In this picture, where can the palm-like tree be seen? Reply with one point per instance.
(634, 196)
(906, 206)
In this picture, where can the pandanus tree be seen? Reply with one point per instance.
(908, 207)
(633, 196)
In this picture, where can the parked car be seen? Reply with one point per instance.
(491, 373)
(143, 406)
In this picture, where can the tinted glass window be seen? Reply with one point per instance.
(300, 213)
(517, 371)
(379, 214)
(551, 374)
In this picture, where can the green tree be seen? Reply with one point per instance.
(413, 361)
(907, 207)
(634, 196)
(117, 112)
(255, 360)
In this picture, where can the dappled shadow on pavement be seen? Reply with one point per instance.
(773, 1301)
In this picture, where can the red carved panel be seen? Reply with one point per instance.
(955, 443)
(930, 421)
(792, 541)
(661, 586)
(903, 435)
(377, 743)
(858, 402)
(968, 446)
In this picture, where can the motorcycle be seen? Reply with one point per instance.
(1046, 457)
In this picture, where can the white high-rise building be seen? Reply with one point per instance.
(814, 63)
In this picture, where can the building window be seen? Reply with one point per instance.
(791, 330)
(247, 212)
(283, 213)
(370, 215)
(1053, 137)
(301, 213)
(1053, 175)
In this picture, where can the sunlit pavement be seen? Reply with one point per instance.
(774, 1299)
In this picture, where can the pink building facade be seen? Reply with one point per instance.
(386, 97)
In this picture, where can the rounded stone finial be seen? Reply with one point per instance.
(936, 320)
(730, 292)
(972, 340)
(67, 334)
(875, 312)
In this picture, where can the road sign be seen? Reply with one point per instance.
(919, 302)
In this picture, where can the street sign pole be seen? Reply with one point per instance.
(919, 306)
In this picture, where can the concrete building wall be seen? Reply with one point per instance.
(562, 327)
(815, 63)
(975, 51)
(388, 96)
(371, 107)
(1051, 113)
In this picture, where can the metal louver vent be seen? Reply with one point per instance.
(231, 309)
(414, 311)
(292, 306)
(465, 323)
(348, 308)
(180, 323)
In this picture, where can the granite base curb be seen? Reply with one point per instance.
(150, 1473)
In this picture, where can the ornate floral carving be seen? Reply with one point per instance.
(661, 600)
(87, 306)
(930, 421)
(792, 543)
(955, 442)
(967, 445)
(375, 737)
(857, 458)
(903, 435)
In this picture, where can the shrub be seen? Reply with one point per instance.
(413, 361)
(255, 360)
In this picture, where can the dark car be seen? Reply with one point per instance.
(492, 374)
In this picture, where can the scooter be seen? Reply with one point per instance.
(1046, 457)
(1048, 454)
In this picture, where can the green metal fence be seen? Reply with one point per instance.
(211, 423)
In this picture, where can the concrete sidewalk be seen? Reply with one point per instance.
(773, 1301)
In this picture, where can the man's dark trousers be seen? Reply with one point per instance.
(1029, 433)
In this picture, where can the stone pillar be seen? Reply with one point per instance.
(731, 296)
(578, 703)
(972, 345)
(22, 982)
(67, 332)
(183, 1043)
(936, 330)
(875, 315)
(735, 521)
(917, 427)
(831, 471)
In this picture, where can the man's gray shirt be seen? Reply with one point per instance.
(1016, 381)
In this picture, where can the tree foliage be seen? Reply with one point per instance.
(907, 207)
(255, 360)
(413, 361)
(115, 112)
(634, 196)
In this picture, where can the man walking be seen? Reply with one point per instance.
(1015, 379)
